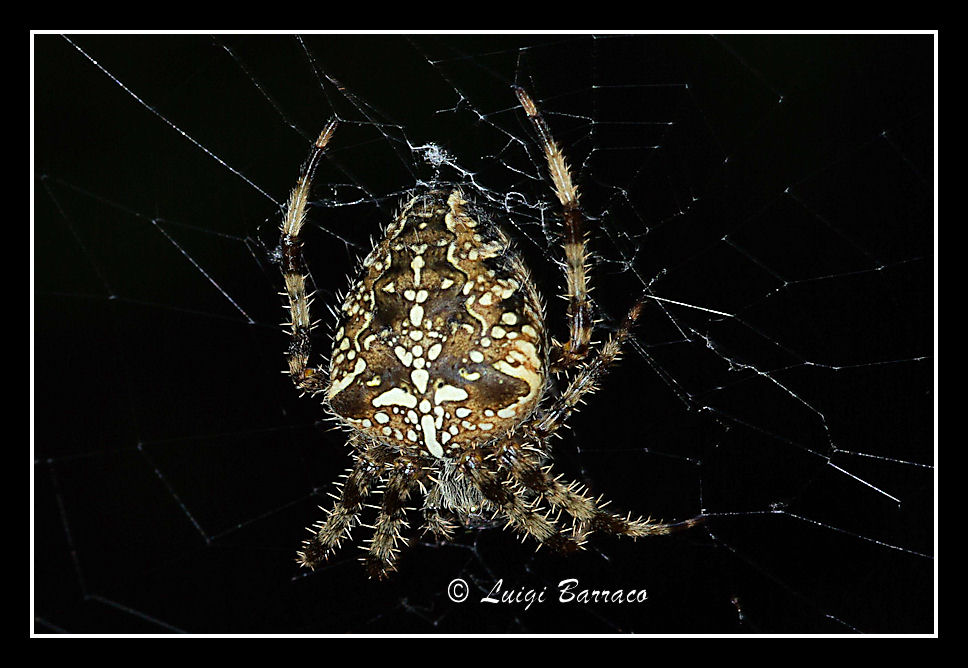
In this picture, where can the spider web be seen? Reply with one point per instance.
(772, 193)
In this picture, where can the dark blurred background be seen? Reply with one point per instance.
(781, 184)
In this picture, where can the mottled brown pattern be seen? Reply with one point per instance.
(447, 325)
(439, 370)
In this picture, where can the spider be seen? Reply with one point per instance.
(440, 372)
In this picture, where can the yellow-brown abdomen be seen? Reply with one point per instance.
(440, 347)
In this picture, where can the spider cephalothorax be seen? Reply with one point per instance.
(439, 370)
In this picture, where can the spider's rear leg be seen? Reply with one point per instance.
(580, 320)
(294, 272)
(330, 532)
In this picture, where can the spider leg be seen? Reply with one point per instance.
(580, 318)
(588, 512)
(522, 516)
(437, 524)
(294, 272)
(340, 521)
(383, 552)
(585, 381)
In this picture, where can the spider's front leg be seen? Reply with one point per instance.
(521, 515)
(382, 553)
(587, 512)
(436, 523)
(580, 320)
(585, 381)
(294, 272)
(329, 533)
(525, 470)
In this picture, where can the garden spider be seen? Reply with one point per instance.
(440, 369)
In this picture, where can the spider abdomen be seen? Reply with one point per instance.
(441, 345)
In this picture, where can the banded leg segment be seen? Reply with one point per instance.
(585, 381)
(294, 271)
(587, 512)
(383, 552)
(580, 321)
(330, 532)
(522, 516)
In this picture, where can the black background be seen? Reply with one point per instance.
(784, 180)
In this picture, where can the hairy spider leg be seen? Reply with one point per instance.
(522, 516)
(382, 549)
(587, 512)
(580, 321)
(294, 272)
(329, 533)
